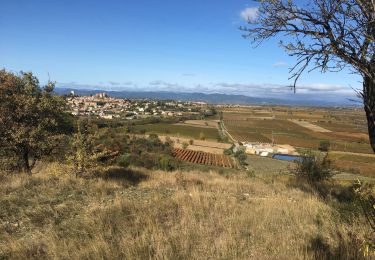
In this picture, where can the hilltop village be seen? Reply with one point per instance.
(106, 107)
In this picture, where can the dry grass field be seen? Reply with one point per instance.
(199, 145)
(203, 123)
(179, 130)
(265, 166)
(137, 214)
(354, 163)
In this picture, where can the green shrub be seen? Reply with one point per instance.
(83, 157)
(324, 145)
(124, 160)
(241, 156)
(314, 169)
(168, 163)
(148, 160)
(185, 145)
(229, 151)
(169, 141)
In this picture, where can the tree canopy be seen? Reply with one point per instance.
(32, 120)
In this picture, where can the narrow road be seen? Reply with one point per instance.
(225, 132)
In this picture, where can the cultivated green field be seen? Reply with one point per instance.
(178, 130)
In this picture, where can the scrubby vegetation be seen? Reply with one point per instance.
(99, 191)
(138, 214)
(314, 168)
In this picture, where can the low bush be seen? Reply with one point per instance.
(324, 145)
(241, 156)
(185, 145)
(168, 163)
(124, 160)
(314, 169)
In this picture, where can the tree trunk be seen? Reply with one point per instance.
(26, 163)
(369, 103)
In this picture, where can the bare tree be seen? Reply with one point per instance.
(327, 35)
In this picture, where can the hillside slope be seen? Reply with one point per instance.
(140, 215)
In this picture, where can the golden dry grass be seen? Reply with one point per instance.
(158, 215)
(363, 164)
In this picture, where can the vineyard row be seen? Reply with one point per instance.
(199, 157)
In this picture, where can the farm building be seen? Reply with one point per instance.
(265, 149)
(258, 148)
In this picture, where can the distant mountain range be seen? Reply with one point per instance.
(214, 98)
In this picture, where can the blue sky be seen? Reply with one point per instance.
(169, 45)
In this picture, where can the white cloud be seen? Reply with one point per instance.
(250, 14)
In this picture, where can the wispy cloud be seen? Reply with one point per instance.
(114, 83)
(109, 85)
(165, 85)
(265, 90)
(188, 74)
(250, 14)
(310, 91)
(128, 83)
(280, 64)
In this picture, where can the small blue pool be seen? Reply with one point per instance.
(287, 157)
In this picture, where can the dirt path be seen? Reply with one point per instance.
(196, 125)
(225, 131)
(358, 154)
(310, 126)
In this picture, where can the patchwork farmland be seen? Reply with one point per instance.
(345, 129)
(199, 157)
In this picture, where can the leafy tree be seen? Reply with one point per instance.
(32, 121)
(327, 34)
